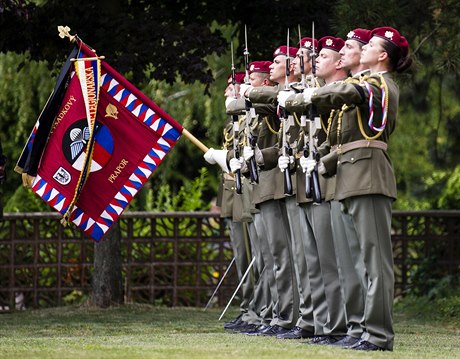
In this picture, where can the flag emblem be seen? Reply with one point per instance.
(122, 154)
(74, 145)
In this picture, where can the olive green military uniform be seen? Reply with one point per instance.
(366, 188)
(349, 259)
(280, 227)
(315, 224)
(305, 319)
(232, 209)
(264, 282)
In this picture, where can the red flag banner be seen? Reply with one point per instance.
(132, 135)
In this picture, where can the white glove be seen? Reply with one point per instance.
(283, 96)
(308, 165)
(245, 89)
(208, 156)
(284, 162)
(213, 156)
(235, 164)
(248, 152)
(307, 93)
(228, 101)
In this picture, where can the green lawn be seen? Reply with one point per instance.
(143, 331)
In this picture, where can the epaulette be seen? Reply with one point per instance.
(352, 80)
(297, 87)
(372, 79)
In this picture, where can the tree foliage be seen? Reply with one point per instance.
(178, 52)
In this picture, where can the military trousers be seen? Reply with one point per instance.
(371, 216)
(306, 319)
(265, 282)
(273, 213)
(326, 293)
(351, 269)
(241, 251)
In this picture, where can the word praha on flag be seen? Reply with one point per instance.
(130, 137)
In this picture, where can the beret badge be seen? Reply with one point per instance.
(389, 34)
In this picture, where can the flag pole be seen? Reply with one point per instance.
(195, 140)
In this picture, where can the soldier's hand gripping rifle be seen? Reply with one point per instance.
(236, 130)
(250, 114)
(312, 188)
(284, 115)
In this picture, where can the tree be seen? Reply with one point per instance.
(107, 285)
(176, 53)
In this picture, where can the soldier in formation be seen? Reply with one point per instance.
(321, 210)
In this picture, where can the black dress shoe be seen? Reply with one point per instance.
(326, 339)
(365, 345)
(233, 322)
(317, 339)
(295, 333)
(346, 342)
(274, 331)
(257, 330)
(243, 329)
(237, 326)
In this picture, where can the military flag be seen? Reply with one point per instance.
(98, 147)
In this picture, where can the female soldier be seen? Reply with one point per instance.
(356, 152)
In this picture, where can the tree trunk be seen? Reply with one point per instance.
(107, 281)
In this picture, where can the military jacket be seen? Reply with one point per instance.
(363, 170)
(263, 126)
(271, 154)
(227, 183)
(297, 104)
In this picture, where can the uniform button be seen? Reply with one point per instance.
(233, 188)
(352, 159)
(338, 162)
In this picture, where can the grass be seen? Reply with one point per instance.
(144, 331)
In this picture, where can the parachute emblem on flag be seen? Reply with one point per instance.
(75, 142)
(88, 166)
(79, 139)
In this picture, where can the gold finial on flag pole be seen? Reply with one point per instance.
(64, 32)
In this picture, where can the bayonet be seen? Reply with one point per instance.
(250, 114)
(287, 151)
(236, 130)
(312, 188)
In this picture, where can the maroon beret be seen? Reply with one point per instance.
(284, 50)
(331, 42)
(393, 35)
(307, 43)
(361, 35)
(239, 77)
(260, 66)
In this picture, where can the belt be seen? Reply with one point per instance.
(346, 147)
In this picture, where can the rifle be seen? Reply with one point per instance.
(303, 117)
(236, 129)
(284, 115)
(250, 114)
(312, 188)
